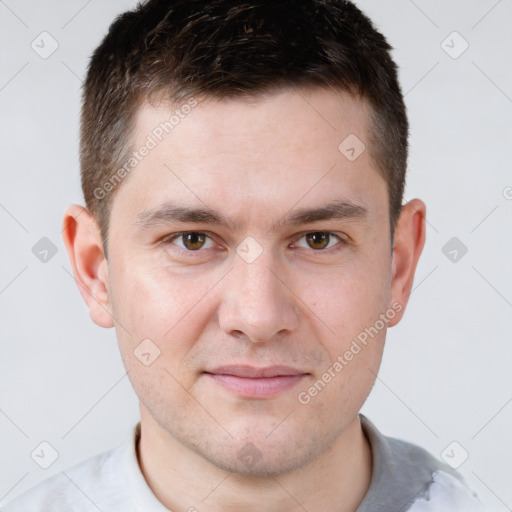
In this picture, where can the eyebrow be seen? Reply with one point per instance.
(169, 213)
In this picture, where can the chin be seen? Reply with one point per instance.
(261, 463)
(260, 454)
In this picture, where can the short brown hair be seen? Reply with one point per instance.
(230, 48)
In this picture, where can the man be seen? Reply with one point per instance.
(243, 166)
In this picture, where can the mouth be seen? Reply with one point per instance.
(250, 382)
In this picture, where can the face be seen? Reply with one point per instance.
(253, 253)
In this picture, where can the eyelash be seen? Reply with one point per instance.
(168, 240)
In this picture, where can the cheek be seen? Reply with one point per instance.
(170, 311)
(350, 297)
(168, 308)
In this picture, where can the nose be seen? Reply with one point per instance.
(258, 303)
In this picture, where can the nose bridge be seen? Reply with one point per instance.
(257, 302)
(258, 280)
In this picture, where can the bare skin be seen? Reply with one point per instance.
(299, 304)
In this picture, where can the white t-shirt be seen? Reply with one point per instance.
(405, 478)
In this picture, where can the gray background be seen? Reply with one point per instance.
(446, 371)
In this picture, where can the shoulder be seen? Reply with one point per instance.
(446, 492)
(110, 482)
(67, 490)
(407, 478)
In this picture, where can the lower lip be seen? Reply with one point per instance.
(264, 387)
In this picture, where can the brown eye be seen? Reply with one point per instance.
(322, 241)
(318, 240)
(193, 241)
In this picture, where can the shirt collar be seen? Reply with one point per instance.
(401, 473)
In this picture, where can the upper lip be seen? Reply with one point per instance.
(251, 372)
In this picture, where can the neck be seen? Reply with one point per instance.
(183, 480)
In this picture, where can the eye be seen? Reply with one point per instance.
(190, 240)
(321, 240)
(194, 241)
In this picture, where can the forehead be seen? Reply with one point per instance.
(233, 151)
(301, 115)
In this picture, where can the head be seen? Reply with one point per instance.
(243, 167)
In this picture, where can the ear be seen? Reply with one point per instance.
(83, 243)
(409, 240)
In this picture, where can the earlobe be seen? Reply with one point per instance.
(408, 243)
(83, 243)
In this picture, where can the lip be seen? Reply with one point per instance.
(251, 382)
